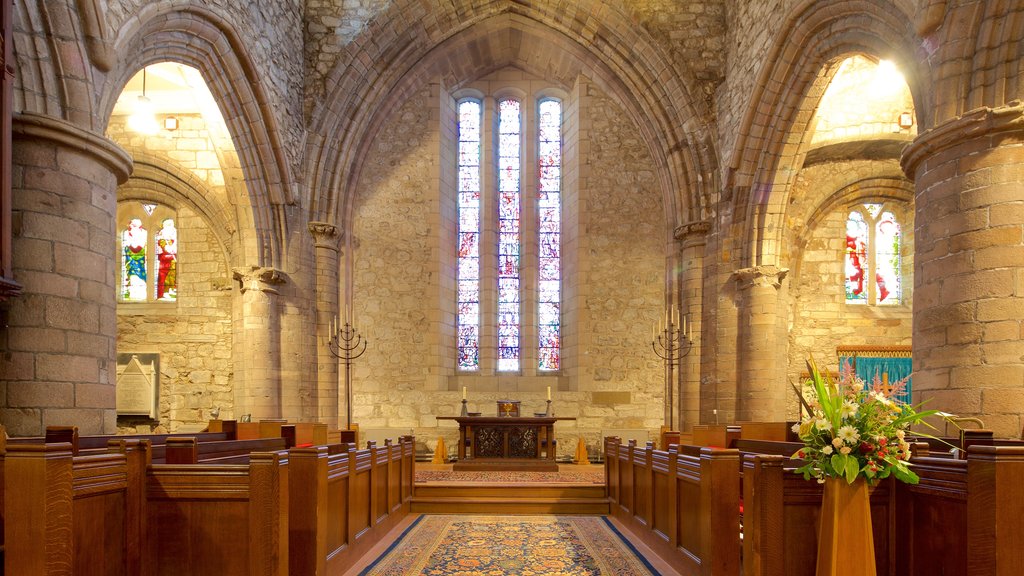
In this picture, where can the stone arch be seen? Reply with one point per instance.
(156, 179)
(54, 74)
(542, 39)
(200, 38)
(889, 187)
(770, 148)
(981, 63)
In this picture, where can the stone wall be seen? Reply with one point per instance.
(816, 230)
(192, 335)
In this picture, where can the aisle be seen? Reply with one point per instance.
(540, 545)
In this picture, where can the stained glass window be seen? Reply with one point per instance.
(468, 316)
(509, 151)
(147, 245)
(873, 261)
(887, 259)
(167, 261)
(549, 205)
(134, 242)
(856, 258)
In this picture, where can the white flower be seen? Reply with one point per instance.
(844, 450)
(900, 434)
(796, 428)
(847, 409)
(823, 424)
(826, 450)
(848, 434)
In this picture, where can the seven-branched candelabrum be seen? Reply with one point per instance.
(347, 344)
(853, 429)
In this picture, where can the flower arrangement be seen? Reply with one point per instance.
(855, 430)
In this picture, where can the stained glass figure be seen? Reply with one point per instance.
(509, 152)
(856, 259)
(133, 261)
(549, 204)
(468, 317)
(887, 260)
(167, 261)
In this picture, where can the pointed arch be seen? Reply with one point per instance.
(770, 148)
(199, 37)
(543, 39)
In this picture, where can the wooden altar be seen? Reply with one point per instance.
(506, 443)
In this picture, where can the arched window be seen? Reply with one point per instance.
(148, 252)
(523, 232)
(873, 261)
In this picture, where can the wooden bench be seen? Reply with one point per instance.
(965, 517)
(343, 501)
(684, 505)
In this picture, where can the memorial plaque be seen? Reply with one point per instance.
(138, 383)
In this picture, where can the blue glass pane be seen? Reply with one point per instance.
(547, 312)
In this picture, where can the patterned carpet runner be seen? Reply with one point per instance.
(441, 545)
(594, 476)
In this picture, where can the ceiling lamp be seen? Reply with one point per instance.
(142, 119)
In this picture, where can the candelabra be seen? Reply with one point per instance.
(346, 344)
(671, 343)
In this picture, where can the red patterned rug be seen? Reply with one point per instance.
(511, 545)
(594, 476)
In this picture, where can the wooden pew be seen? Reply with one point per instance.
(684, 506)
(74, 515)
(217, 520)
(964, 518)
(343, 500)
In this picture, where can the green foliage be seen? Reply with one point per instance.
(855, 430)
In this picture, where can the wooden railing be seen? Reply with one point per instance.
(685, 506)
(306, 511)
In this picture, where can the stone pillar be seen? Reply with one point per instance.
(325, 238)
(58, 362)
(761, 374)
(258, 359)
(692, 238)
(969, 267)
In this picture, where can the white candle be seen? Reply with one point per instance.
(684, 327)
(463, 392)
(549, 392)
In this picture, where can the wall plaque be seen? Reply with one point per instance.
(138, 384)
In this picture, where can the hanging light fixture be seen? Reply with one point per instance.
(142, 119)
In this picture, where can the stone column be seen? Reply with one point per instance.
(258, 360)
(325, 238)
(969, 267)
(58, 365)
(692, 238)
(761, 374)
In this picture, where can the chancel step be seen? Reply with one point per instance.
(510, 498)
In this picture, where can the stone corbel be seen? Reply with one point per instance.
(324, 235)
(258, 278)
(692, 233)
(760, 276)
(929, 16)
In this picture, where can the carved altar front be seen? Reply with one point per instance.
(506, 443)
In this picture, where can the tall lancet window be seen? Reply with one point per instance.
(549, 206)
(468, 314)
(148, 248)
(509, 301)
(873, 256)
(509, 153)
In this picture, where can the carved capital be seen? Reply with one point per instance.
(760, 276)
(258, 278)
(692, 233)
(324, 235)
(978, 123)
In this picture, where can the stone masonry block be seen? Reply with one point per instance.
(72, 314)
(88, 395)
(22, 421)
(35, 394)
(67, 368)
